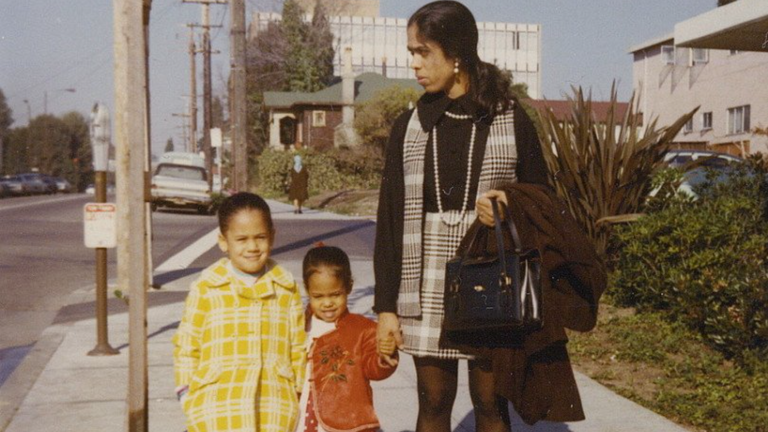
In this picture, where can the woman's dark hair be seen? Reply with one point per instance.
(243, 201)
(453, 27)
(329, 257)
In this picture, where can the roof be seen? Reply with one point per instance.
(366, 86)
(563, 109)
(740, 25)
(661, 40)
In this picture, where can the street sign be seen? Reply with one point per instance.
(100, 225)
(215, 137)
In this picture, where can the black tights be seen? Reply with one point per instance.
(437, 382)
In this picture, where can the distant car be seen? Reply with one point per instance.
(14, 186)
(181, 186)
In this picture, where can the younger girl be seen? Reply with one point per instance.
(239, 351)
(343, 356)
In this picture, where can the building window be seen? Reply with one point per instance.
(668, 54)
(318, 118)
(738, 119)
(688, 128)
(706, 120)
(700, 55)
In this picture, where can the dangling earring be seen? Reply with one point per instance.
(456, 67)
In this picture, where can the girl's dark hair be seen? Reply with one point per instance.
(453, 27)
(243, 201)
(329, 257)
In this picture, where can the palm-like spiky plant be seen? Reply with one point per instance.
(603, 169)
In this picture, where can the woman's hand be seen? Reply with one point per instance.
(388, 336)
(484, 209)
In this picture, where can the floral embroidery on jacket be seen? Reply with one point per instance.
(337, 357)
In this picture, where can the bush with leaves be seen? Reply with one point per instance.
(332, 170)
(602, 168)
(375, 117)
(704, 263)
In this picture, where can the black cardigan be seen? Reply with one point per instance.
(453, 146)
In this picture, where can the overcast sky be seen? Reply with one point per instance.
(53, 45)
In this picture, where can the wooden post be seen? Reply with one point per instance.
(207, 90)
(130, 137)
(238, 96)
(192, 147)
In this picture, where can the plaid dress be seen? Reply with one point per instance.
(428, 243)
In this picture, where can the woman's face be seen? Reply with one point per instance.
(434, 71)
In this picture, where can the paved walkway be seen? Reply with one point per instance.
(58, 388)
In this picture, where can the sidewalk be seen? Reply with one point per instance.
(77, 393)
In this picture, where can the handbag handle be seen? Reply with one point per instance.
(517, 245)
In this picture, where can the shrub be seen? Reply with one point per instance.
(332, 170)
(374, 118)
(704, 263)
(602, 169)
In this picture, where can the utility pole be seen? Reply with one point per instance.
(192, 146)
(207, 84)
(238, 97)
(130, 60)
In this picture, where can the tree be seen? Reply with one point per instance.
(169, 145)
(6, 120)
(375, 117)
(290, 55)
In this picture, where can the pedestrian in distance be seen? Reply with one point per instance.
(342, 350)
(299, 188)
(466, 139)
(239, 354)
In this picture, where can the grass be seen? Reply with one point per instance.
(666, 368)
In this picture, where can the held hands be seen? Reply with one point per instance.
(484, 209)
(388, 338)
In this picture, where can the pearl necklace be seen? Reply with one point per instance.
(469, 170)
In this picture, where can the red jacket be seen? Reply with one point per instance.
(344, 361)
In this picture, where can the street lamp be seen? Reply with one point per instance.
(45, 98)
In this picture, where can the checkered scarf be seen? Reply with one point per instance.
(498, 170)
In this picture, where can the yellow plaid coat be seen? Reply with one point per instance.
(241, 351)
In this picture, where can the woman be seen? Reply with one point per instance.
(299, 184)
(465, 140)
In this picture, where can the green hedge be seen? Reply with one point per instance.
(332, 170)
(703, 263)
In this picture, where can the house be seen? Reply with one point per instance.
(317, 119)
(717, 61)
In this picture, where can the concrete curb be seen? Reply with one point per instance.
(15, 389)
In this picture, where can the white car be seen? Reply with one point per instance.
(181, 186)
(697, 163)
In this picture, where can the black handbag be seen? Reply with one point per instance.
(493, 295)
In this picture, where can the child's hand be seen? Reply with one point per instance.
(387, 346)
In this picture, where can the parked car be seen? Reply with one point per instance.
(697, 164)
(91, 189)
(62, 185)
(5, 190)
(181, 186)
(33, 184)
(14, 186)
(50, 183)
